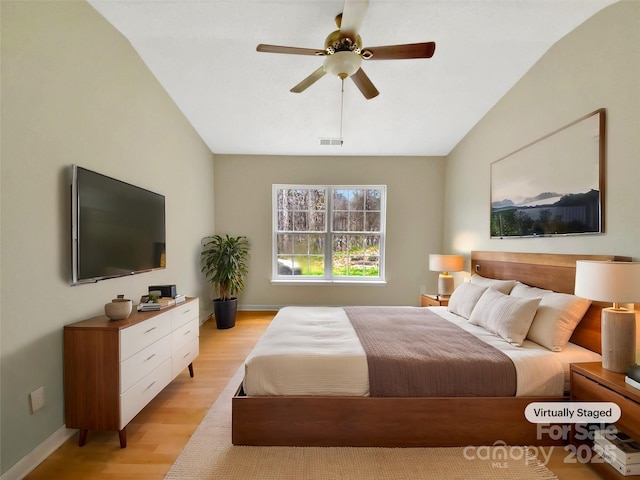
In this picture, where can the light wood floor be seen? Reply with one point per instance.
(158, 434)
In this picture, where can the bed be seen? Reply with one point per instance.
(341, 411)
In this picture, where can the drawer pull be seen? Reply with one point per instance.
(187, 311)
(150, 357)
(152, 384)
(187, 332)
(151, 329)
(186, 354)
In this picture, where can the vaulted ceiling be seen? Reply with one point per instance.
(203, 52)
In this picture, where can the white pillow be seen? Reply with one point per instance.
(464, 298)
(503, 286)
(507, 316)
(557, 317)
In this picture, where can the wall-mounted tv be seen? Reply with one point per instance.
(117, 229)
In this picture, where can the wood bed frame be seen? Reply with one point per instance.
(421, 422)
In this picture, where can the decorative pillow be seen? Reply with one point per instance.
(507, 316)
(503, 286)
(464, 298)
(557, 317)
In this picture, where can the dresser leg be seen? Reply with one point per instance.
(191, 370)
(82, 438)
(123, 437)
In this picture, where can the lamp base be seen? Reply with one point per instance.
(618, 339)
(445, 285)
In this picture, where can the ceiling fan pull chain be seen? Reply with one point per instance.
(341, 111)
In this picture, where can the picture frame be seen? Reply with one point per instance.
(553, 186)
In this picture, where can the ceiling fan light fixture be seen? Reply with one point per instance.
(342, 64)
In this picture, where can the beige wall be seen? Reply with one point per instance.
(74, 91)
(597, 65)
(414, 221)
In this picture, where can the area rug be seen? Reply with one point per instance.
(209, 454)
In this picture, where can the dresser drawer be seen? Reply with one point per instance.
(184, 335)
(141, 335)
(184, 312)
(183, 357)
(145, 361)
(137, 397)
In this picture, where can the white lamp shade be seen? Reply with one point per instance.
(446, 263)
(615, 282)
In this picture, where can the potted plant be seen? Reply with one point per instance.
(224, 263)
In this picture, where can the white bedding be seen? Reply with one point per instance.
(316, 351)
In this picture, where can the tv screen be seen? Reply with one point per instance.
(117, 228)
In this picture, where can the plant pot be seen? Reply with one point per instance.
(225, 312)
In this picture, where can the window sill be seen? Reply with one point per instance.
(316, 282)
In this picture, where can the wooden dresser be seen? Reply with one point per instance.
(113, 368)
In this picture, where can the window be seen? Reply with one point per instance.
(328, 233)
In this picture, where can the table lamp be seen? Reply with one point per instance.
(615, 282)
(445, 264)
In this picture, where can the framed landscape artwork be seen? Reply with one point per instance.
(553, 186)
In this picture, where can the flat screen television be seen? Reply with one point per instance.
(117, 229)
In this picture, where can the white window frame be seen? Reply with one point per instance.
(328, 233)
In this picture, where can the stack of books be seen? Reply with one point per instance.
(148, 306)
(162, 302)
(630, 381)
(620, 451)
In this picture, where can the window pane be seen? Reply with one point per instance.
(301, 244)
(372, 222)
(316, 265)
(339, 244)
(372, 245)
(282, 198)
(316, 244)
(297, 199)
(356, 200)
(373, 200)
(287, 266)
(284, 244)
(356, 221)
(340, 200)
(340, 221)
(316, 223)
(317, 200)
(285, 221)
(301, 221)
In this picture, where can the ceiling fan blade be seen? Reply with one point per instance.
(352, 16)
(364, 84)
(289, 50)
(310, 80)
(400, 52)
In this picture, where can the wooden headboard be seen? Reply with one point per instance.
(555, 272)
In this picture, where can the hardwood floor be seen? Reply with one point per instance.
(157, 435)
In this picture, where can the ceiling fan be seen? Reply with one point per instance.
(343, 51)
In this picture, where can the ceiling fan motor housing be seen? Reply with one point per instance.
(343, 54)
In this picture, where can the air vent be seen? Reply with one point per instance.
(331, 141)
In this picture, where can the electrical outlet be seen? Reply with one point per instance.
(37, 399)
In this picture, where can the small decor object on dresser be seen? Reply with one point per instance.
(119, 308)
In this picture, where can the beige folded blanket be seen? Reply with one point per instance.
(412, 352)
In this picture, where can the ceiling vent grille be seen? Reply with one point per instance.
(331, 141)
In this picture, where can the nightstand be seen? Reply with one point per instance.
(428, 300)
(592, 383)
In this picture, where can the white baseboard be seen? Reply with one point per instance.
(37, 455)
(259, 308)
